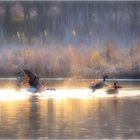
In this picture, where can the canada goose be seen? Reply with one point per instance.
(99, 85)
(28, 77)
(114, 88)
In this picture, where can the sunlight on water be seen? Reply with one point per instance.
(12, 94)
(73, 113)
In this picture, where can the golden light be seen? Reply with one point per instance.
(79, 93)
(11, 94)
(66, 93)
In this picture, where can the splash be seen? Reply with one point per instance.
(12, 94)
(81, 93)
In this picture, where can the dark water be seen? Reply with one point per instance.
(92, 117)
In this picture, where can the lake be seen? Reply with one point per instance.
(70, 112)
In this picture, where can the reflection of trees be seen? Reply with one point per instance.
(20, 119)
(34, 119)
(80, 118)
(65, 117)
(13, 119)
(70, 118)
(50, 118)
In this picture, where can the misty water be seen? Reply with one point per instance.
(95, 115)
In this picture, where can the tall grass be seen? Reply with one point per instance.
(79, 62)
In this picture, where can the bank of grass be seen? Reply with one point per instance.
(79, 62)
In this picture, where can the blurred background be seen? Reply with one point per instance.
(82, 39)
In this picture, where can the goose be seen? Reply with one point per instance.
(27, 77)
(98, 85)
(114, 88)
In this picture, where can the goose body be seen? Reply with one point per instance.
(98, 85)
(30, 79)
(114, 88)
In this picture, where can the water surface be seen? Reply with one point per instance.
(92, 116)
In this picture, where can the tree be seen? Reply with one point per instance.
(7, 17)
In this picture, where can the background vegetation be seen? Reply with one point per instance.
(70, 38)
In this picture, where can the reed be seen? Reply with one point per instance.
(69, 61)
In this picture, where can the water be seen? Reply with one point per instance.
(71, 113)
